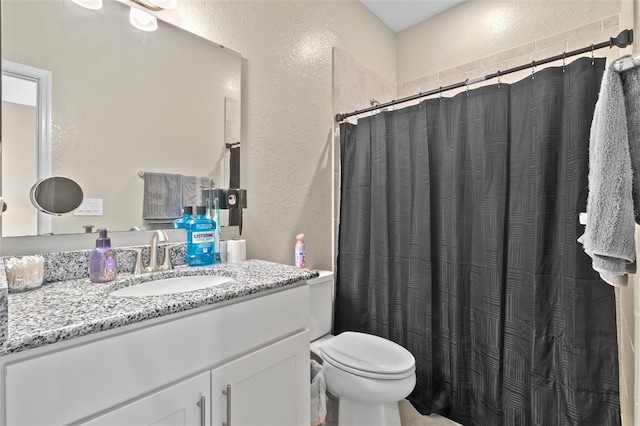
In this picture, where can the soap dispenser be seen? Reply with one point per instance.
(102, 260)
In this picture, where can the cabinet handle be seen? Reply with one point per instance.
(227, 393)
(202, 404)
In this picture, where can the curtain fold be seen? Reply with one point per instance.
(458, 229)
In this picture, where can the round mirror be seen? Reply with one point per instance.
(56, 195)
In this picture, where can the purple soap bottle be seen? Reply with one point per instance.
(102, 260)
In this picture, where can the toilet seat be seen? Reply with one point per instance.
(366, 355)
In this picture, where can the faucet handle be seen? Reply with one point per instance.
(137, 268)
(166, 262)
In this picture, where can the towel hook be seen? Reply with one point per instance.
(533, 69)
(564, 63)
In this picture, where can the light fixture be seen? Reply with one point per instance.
(89, 4)
(156, 5)
(142, 20)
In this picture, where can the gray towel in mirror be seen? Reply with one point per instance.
(162, 199)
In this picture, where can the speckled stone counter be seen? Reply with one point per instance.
(67, 309)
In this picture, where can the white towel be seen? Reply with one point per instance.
(609, 233)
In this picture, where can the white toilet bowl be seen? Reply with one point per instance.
(369, 375)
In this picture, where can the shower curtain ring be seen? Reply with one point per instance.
(440, 94)
(564, 63)
(593, 61)
(499, 79)
(533, 69)
(466, 86)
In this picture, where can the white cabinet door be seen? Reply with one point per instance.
(267, 387)
(178, 405)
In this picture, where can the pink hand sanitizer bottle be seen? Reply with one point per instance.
(300, 262)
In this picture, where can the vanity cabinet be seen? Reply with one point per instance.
(157, 371)
(260, 388)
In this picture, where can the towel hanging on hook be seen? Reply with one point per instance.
(613, 205)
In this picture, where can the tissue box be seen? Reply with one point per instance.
(24, 273)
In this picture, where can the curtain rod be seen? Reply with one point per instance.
(624, 39)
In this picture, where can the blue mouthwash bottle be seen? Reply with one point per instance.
(187, 215)
(201, 240)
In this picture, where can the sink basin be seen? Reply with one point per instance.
(171, 286)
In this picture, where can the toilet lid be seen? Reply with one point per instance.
(368, 355)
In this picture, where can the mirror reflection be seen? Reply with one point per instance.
(122, 104)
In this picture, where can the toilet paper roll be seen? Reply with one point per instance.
(223, 250)
(236, 250)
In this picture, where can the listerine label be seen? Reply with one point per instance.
(202, 237)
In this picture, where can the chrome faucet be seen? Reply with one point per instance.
(158, 236)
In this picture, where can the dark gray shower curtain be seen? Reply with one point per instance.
(458, 229)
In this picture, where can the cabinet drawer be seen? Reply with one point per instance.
(73, 382)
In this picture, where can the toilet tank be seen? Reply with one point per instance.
(320, 304)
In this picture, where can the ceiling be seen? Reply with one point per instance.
(402, 14)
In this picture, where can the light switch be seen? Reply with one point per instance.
(90, 207)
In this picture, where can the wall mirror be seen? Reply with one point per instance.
(123, 102)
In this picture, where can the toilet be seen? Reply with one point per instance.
(368, 374)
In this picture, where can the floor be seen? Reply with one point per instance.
(408, 415)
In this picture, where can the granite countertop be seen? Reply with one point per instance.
(67, 309)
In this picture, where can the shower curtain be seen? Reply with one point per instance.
(458, 229)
